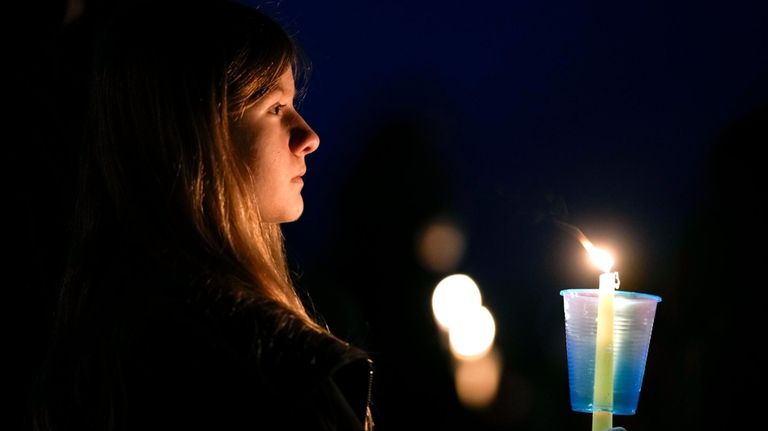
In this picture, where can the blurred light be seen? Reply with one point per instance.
(441, 246)
(472, 334)
(477, 380)
(452, 297)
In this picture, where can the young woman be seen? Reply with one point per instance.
(178, 310)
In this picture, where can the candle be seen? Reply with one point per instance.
(602, 392)
(602, 398)
(602, 395)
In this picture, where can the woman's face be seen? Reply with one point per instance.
(276, 139)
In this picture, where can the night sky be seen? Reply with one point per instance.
(501, 116)
(612, 110)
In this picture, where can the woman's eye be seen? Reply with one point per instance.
(277, 109)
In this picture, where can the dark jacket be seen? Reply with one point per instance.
(155, 349)
(207, 362)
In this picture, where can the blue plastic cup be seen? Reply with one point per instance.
(632, 325)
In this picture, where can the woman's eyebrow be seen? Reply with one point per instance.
(279, 88)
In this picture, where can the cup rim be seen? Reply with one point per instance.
(621, 293)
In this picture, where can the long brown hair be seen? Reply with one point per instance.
(167, 88)
(161, 177)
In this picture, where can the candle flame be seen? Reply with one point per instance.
(601, 258)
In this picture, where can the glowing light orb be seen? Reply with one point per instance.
(452, 297)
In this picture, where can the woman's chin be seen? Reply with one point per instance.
(289, 215)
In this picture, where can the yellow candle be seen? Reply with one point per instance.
(602, 398)
(602, 395)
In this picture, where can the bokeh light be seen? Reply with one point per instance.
(477, 380)
(441, 246)
(452, 297)
(472, 334)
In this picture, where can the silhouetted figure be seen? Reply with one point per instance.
(721, 311)
(396, 187)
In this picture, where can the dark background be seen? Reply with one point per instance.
(639, 122)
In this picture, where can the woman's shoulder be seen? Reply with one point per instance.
(216, 357)
(258, 334)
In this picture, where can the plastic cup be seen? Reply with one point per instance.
(632, 325)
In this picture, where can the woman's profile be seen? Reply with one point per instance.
(177, 309)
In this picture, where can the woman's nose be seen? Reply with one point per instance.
(304, 139)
